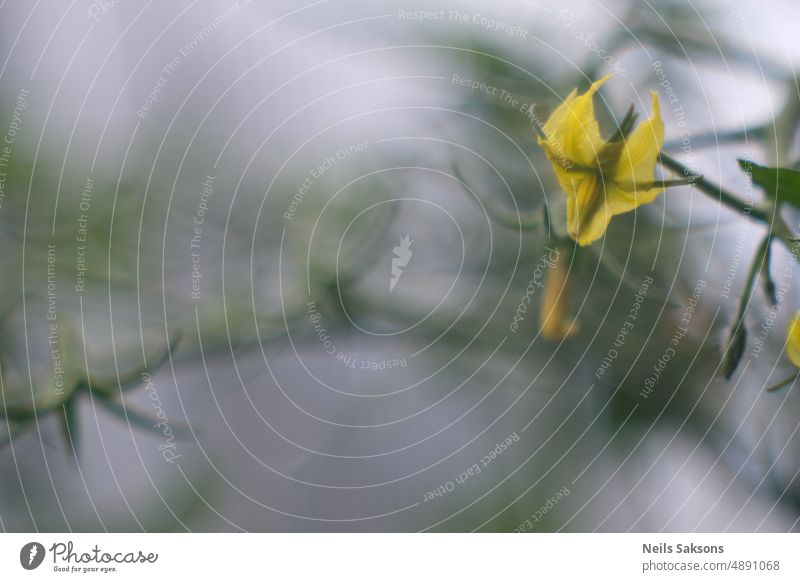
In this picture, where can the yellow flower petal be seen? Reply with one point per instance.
(601, 179)
(572, 131)
(569, 180)
(637, 163)
(588, 212)
(621, 201)
(793, 339)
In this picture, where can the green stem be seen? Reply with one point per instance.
(752, 275)
(777, 227)
(736, 339)
(716, 191)
(531, 220)
(714, 139)
(134, 418)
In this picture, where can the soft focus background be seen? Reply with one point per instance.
(238, 175)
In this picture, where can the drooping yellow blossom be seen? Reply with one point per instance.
(555, 322)
(601, 178)
(793, 339)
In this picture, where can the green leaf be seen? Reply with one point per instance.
(781, 184)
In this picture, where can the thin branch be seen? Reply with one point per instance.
(715, 191)
(737, 335)
(714, 139)
(783, 383)
(523, 221)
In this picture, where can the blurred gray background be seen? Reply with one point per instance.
(252, 167)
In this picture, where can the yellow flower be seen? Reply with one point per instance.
(793, 339)
(601, 178)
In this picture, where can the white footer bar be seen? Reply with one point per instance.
(401, 557)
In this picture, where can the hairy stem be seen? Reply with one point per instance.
(778, 228)
(716, 191)
(752, 275)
